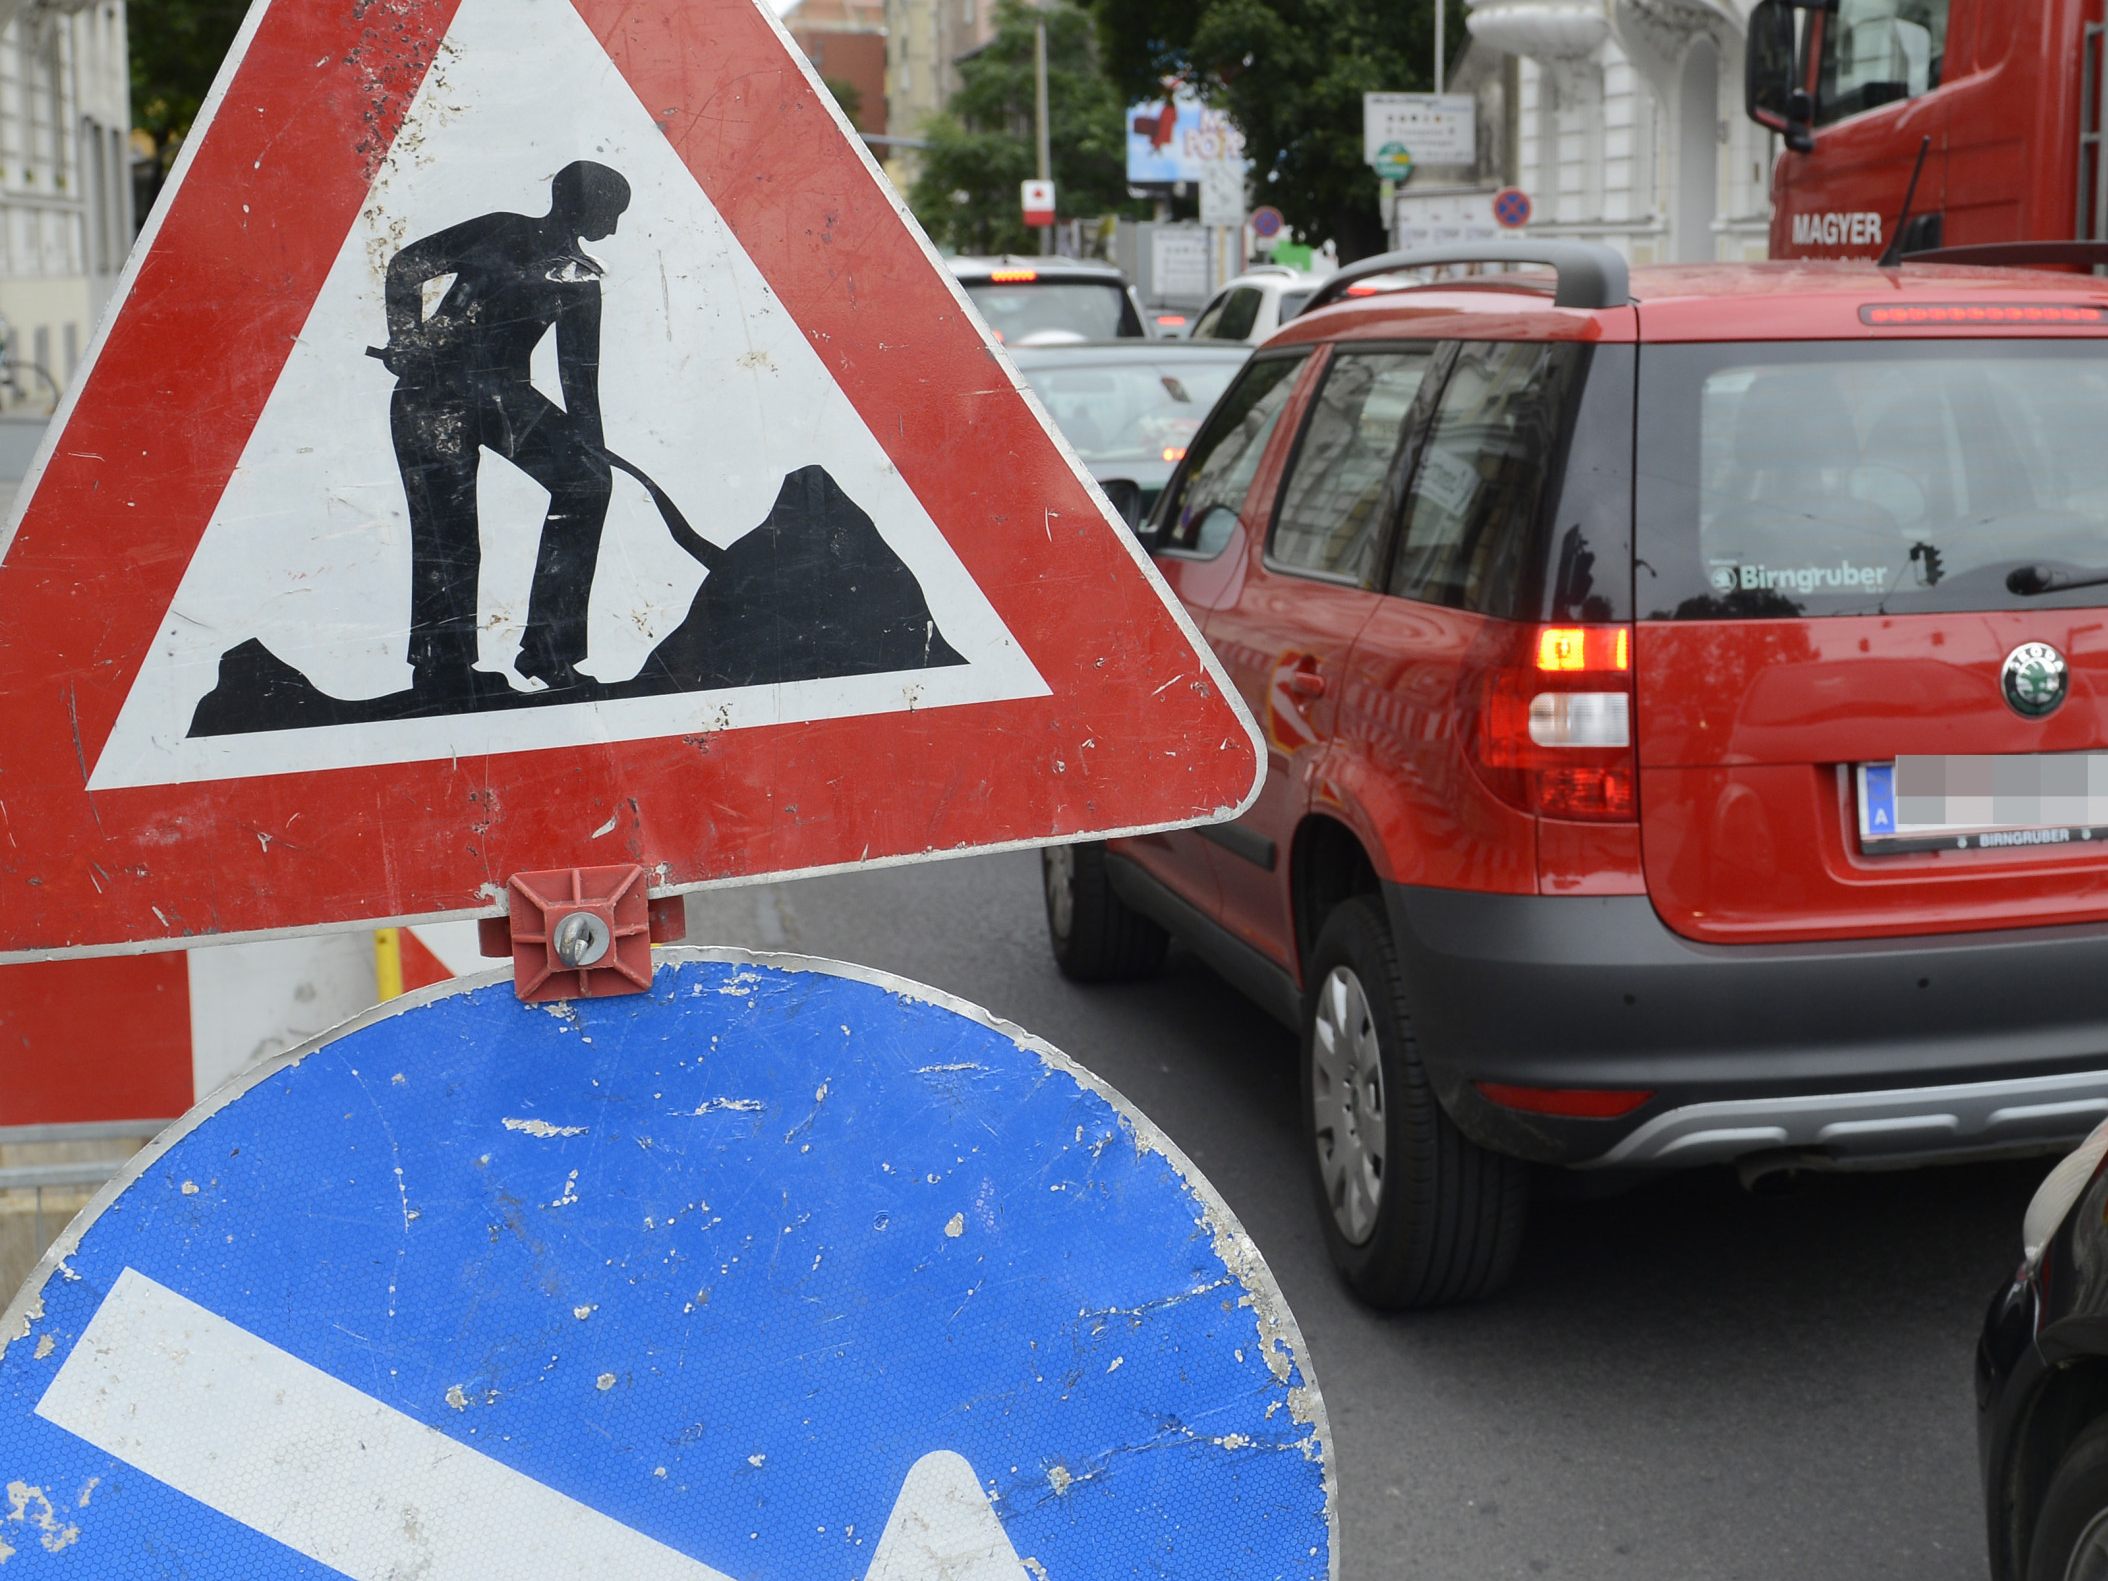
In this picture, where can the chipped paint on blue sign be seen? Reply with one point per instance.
(782, 1269)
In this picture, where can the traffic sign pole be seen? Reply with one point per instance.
(781, 1268)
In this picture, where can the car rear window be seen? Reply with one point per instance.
(1049, 312)
(1130, 410)
(1851, 478)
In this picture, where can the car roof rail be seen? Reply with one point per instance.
(1591, 275)
(1993, 255)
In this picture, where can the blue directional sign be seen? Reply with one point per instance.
(780, 1270)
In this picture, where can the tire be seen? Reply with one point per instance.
(1415, 1214)
(1097, 937)
(2070, 1541)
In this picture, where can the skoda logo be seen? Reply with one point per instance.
(2034, 679)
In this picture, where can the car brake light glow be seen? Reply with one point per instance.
(1013, 276)
(1584, 648)
(1171, 320)
(1574, 1103)
(1982, 313)
(1174, 452)
(1551, 720)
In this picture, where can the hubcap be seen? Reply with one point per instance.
(1058, 867)
(2089, 1555)
(1346, 1088)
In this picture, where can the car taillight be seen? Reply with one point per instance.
(1013, 276)
(1882, 315)
(1551, 719)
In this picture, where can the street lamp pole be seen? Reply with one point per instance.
(1039, 96)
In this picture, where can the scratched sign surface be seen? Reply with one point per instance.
(531, 433)
(783, 1270)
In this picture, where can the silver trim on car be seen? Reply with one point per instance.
(1866, 1129)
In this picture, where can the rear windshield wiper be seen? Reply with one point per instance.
(2028, 581)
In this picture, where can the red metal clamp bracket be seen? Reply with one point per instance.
(580, 932)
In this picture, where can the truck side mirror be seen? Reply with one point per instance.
(1774, 94)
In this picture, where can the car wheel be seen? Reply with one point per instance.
(1415, 1213)
(1097, 937)
(2070, 1541)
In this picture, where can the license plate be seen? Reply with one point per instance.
(2013, 801)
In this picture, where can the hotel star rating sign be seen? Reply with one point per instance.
(779, 1270)
(531, 434)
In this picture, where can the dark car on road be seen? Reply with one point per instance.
(2042, 1384)
(1685, 692)
(1130, 408)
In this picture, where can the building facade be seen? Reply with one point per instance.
(925, 41)
(846, 42)
(1624, 123)
(65, 173)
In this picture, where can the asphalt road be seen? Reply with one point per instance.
(1685, 1382)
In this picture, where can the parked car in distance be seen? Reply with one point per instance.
(2042, 1384)
(1051, 301)
(1627, 646)
(1251, 306)
(1129, 408)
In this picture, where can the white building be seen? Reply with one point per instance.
(65, 172)
(1628, 125)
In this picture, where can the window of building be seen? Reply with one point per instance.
(1332, 514)
(1203, 506)
(1875, 52)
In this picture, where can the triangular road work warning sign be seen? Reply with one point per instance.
(531, 433)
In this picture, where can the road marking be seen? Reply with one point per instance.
(259, 1435)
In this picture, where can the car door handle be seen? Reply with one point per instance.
(1306, 681)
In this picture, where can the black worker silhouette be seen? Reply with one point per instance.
(464, 385)
(813, 591)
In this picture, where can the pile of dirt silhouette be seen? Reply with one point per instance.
(812, 593)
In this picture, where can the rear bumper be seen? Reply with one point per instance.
(1855, 1053)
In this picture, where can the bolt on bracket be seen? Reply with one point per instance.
(580, 932)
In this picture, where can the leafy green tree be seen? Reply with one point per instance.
(850, 97)
(177, 47)
(981, 146)
(1290, 74)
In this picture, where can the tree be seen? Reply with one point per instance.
(175, 55)
(981, 145)
(1290, 74)
(850, 97)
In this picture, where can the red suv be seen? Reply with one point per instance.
(1685, 692)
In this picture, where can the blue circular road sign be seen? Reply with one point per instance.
(1511, 208)
(781, 1269)
(1267, 222)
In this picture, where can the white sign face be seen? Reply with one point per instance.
(1442, 219)
(1038, 196)
(311, 547)
(1436, 128)
(1222, 192)
(1178, 264)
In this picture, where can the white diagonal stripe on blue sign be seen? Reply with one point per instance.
(236, 1423)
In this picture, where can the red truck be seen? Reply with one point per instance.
(1995, 105)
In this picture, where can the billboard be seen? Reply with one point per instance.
(1176, 139)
